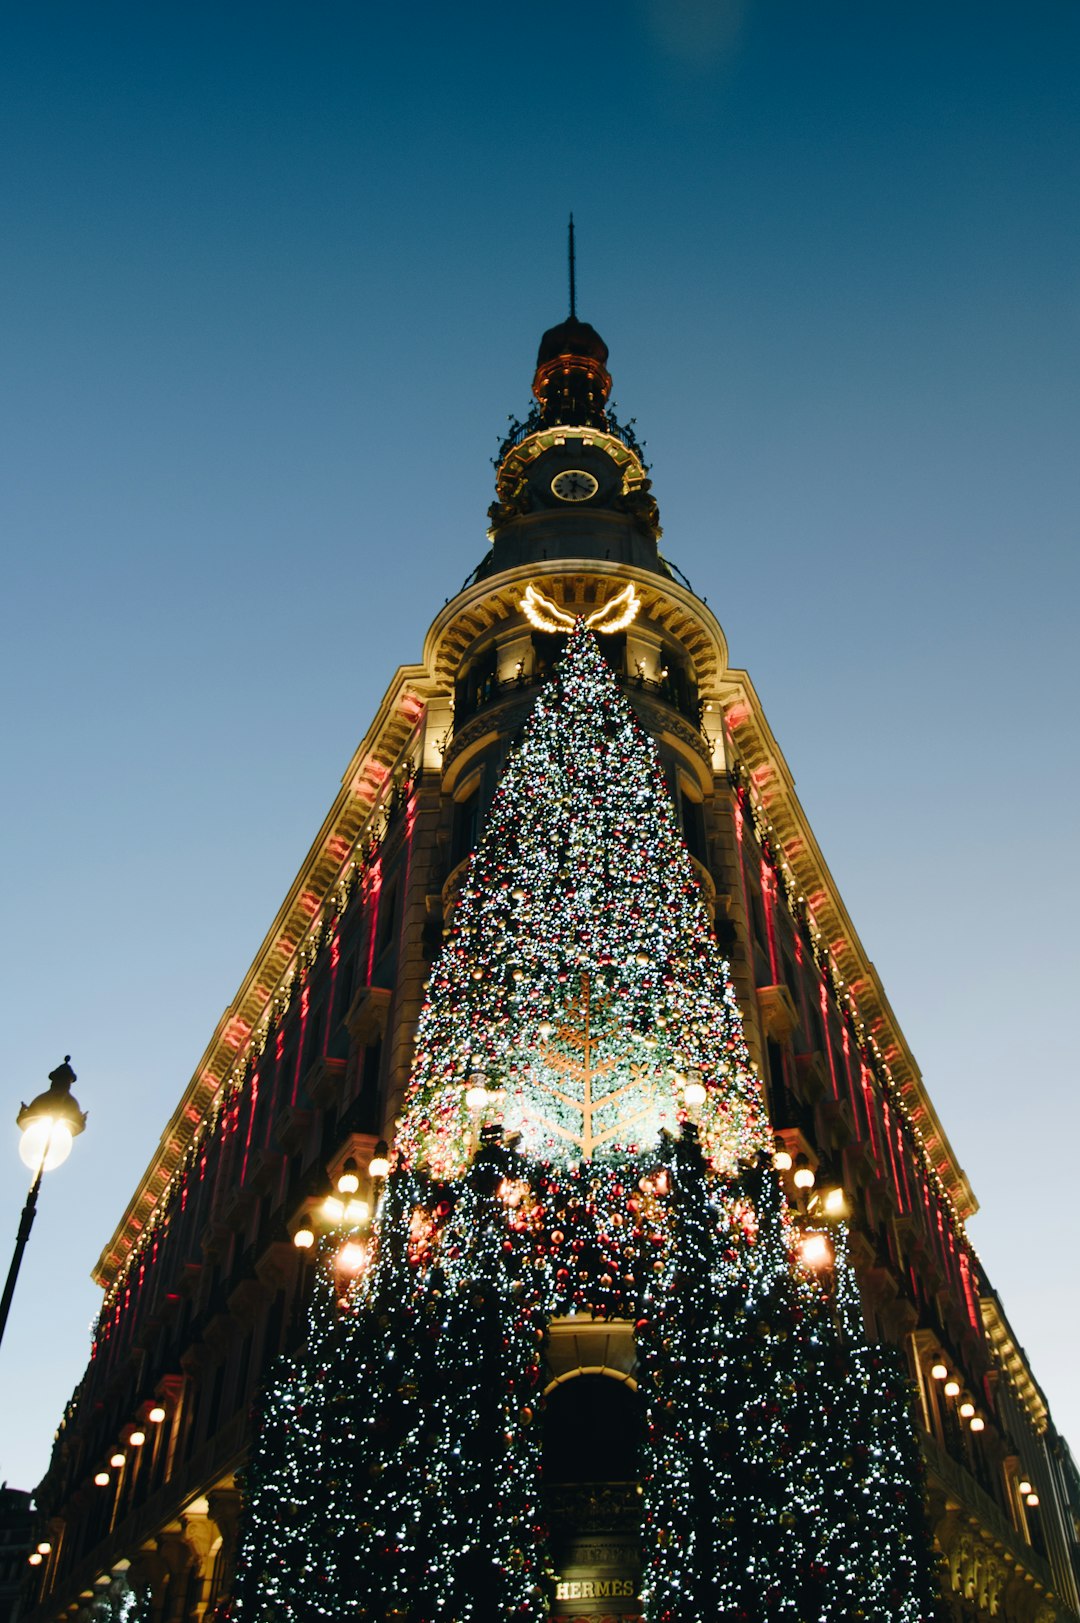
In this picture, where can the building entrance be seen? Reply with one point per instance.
(592, 1449)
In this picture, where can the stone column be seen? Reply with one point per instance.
(179, 1558)
(148, 1576)
(224, 1506)
(201, 1534)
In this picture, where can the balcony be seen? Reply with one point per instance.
(984, 1553)
(496, 690)
(605, 422)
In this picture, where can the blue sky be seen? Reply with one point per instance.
(273, 280)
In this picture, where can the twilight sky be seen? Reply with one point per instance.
(273, 278)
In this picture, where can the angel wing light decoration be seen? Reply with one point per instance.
(614, 615)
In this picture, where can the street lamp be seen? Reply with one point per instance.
(48, 1125)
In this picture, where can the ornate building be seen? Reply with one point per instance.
(203, 1284)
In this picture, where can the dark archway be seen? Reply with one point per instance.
(593, 1429)
(593, 1435)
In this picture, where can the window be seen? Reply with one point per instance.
(692, 815)
(387, 925)
(466, 825)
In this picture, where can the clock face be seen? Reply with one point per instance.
(574, 485)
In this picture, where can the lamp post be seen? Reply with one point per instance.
(344, 1213)
(48, 1124)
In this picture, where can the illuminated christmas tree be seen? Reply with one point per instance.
(582, 987)
(584, 1135)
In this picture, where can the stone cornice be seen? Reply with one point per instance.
(1013, 1361)
(494, 603)
(761, 757)
(362, 791)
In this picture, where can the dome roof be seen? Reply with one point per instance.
(572, 337)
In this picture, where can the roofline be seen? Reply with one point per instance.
(754, 743)
(328, 859)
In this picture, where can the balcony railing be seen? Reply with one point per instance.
(959, 1480)
(607, 423)
(494, 690)
(220, 1454)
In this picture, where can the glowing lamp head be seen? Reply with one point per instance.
(1024, 1487)
(349, 1180)
(835, 1203)
(804, 1174)
(44, 1548)
(116, 1460)
(156, 1415)
(356, 1212)
(379, 1165)
(101, 1479)
(351, 1258)
(978, 1423)
(476, 1094)
(50, 1122)
(816, 1251)
(137, 1439)
(35, 1559)
(952, 1389)
(939, 1371)
(333, 1209)
(1032, 1501)
(694, 1092)
(967, 1409)
(45, 1144)
(304, 1238)
(782, 1161)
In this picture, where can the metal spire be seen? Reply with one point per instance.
(573, 286)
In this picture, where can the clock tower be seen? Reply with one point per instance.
(571, 480)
